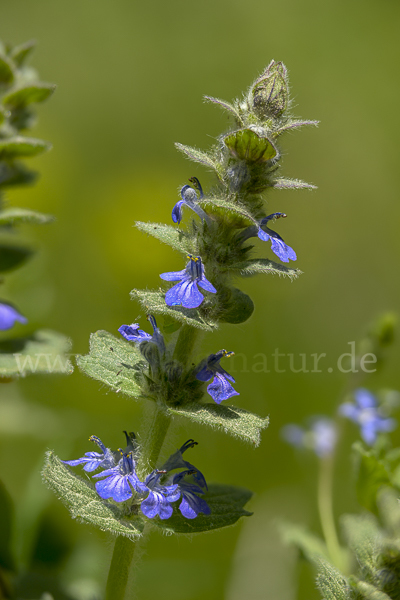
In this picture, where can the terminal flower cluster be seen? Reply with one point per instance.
(119, 481)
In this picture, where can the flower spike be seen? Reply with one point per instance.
(119, 481)
(186, 293)
(219, 389)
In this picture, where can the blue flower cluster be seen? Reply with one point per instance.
(321, 437)
(119, 481)
(366, 413)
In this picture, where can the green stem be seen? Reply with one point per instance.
(118, 575)
(325, 485)
(185, 343)
(157, 429)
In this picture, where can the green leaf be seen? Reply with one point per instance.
(226, 503)
(293, 125)
(2, 115)
(43, 352)
(372, 475)
(172, 236)
(229, 419)
(255, 266)
(18, 146)
(6, 70)
(201, 157)
(154, 302)
(331, 583)
(12, 257)
(282, 183)
(6, 523)
(233, 207)
(13, 216)
(368, 591)
(225, 105)
(20, 53)
(310, 545)
(15, 174)
(28, 94)
(83, 502)
(113, 361)
(362, 534)
(247, 145)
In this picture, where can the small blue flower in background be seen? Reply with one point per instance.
(219, 389)
(366, 414)
(190, 199)
(9, 315)
(186, 293)
(94, 460)
(158, 502)
(320, 438)
(278, 246)
(132, 333)
(120, 480)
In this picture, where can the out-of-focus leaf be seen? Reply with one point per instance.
(18, 146)
(83, 502)
(113, 361)
(20, 53)
(371, 476)
(226, 503)
(6, 522)
(368, 591)
(43, 352)
(310, 545)
(12, 257)
(229, 419)
(13, 216)
(6, 70)
(362, 534)
(331, 583)
(28, 94)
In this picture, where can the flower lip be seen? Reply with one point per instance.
(185, 292)
(219, 389)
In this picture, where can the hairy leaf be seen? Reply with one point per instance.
(293, 125)
(12, 257)
(13, 216)
(201, 157)
(28, 94)
(172, 236)
(232, 207)
(43, 352)
(362, 534)
(83, 502)
(372, 475)
(331, 583)
(226, 503)
(369, 591)
(154, 302)
(282, 183)
(112, 361)
(230, 419)
(255, 266)
(225, 105)
(18, 146)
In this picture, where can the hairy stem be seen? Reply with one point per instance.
(185, 344)
(118, 575)
(325, 485)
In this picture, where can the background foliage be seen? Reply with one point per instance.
(130, 78)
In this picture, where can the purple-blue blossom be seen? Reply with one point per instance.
(9, 315)
(186, 293)
(219, 389)
(278, 246)
(366, 413)
(94, 460)
(120, 481)
(321, 437)
(192, 504)
(158, 502)
(190, 199)
(132, 333)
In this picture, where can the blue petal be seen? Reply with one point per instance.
(206, 285)
(156, 504)
(349, 410)
(369, 432)
(220, 389)
(115, 487)
(177, 212)
(8, 316)
(184, 293)
(293, 434)
(133, 333)
(282, 250)
(174, 275)
(205, 374)
(364, 398)
(263, 235)
(192, 505)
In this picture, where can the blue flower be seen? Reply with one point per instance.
(189, 198)
(9, 315)
(119, 480)
(278, 246)
(320, 438)
(132, 333)
(94, 460)
(186, 293)
(219, 389)
(191, 504)
(366, 414)
(158, 502)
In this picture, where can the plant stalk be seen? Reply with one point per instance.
(325, 488)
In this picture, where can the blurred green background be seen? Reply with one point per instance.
(130, 79)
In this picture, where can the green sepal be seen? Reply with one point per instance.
(225, 105)
(270, 95)
(331, 583)
(12, 256)
(18, 147)
(6, 70)
(283, 183)
(172, 236)
(14, 216)
(201, 157)
(83, 502)
(45, 351)
(245, 216)
(237, 308)
(7, 561)
(20, 53)
(230, 419)
(154, 302)
(226, 503)
(113, 361)
(371, 476)
(28, 94)
(367, 591)
(247, 145)
(255, 266)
